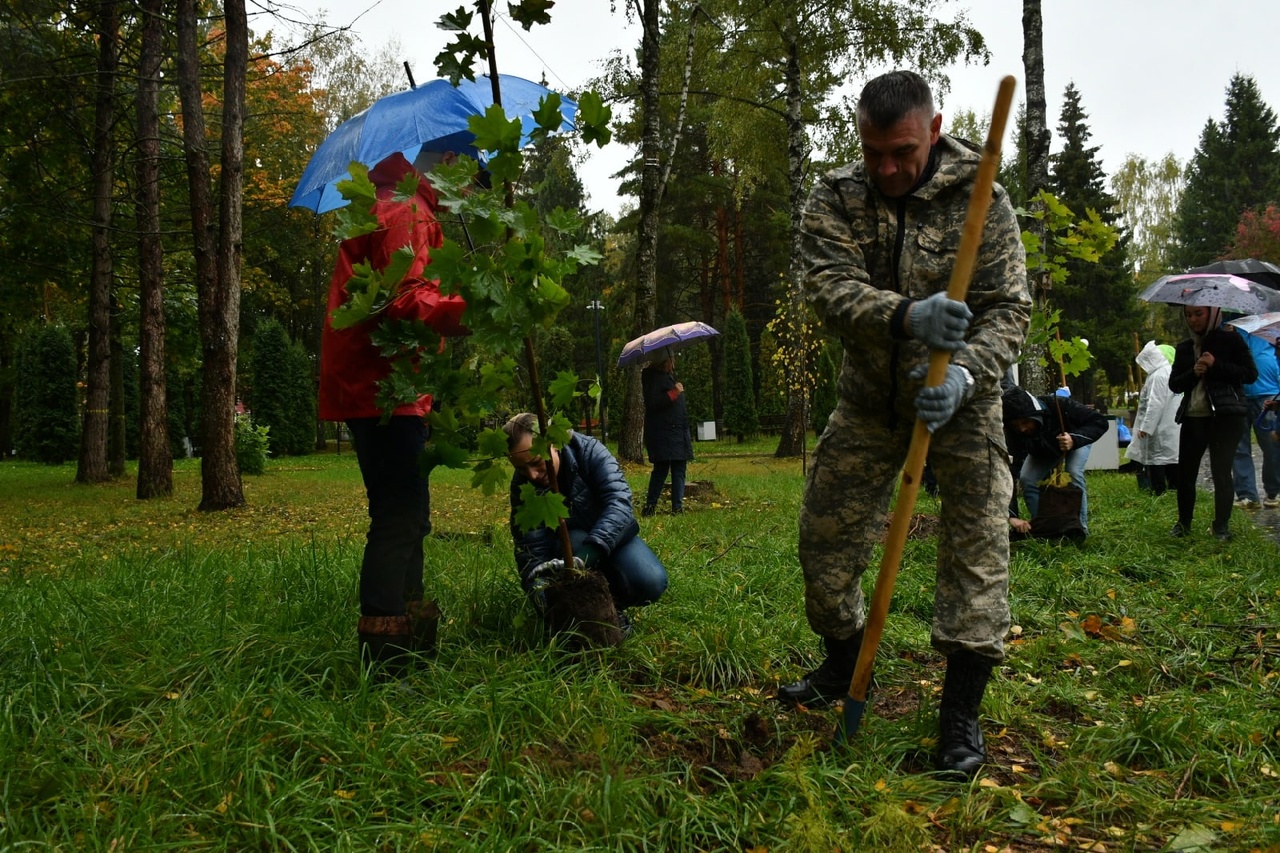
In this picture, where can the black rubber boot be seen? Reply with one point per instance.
(961, 748)
(830, 680)
(385, 644)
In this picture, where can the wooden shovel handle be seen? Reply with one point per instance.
(909, 489)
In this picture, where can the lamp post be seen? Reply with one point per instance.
(596, 306)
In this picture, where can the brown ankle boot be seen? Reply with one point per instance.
(424, 624)
(385, 643)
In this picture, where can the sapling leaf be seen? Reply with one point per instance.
(593, 119)
(530, 12)
(564, 388)
(539, 510)
(490, 477)
(547, 115)
(492, 444)
(438, 453)
(457, 21)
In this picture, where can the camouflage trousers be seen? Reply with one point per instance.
(855, 467)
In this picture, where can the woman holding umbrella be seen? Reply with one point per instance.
(1210, 370)
(666, 431)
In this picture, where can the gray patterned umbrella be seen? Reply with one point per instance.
(1228, 292)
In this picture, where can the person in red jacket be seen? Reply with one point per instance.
(394, 619)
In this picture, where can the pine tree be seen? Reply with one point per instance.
(740, 416)
(1098, 299)
(1235, 168)
(45, 411)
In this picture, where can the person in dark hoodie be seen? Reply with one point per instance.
(1210, 370)
(602, 525)
(1043, 431)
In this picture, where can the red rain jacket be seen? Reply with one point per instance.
(350, 365)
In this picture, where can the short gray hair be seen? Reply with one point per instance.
(887, 99)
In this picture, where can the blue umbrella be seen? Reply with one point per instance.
(432, 117)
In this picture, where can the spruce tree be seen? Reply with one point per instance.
(693, 367)
(270, 398)
(302, 402)
(1098, 299)
(1235, 168)
(46, 427)
(740, 417)
(773, 388)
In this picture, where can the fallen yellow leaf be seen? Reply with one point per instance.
(1231, 825)
(344, 795)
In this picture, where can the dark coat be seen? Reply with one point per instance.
(599, 501)
(1083, 424)
(1233, 368)
(666, 420)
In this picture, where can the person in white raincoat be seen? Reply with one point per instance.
(1155, 431)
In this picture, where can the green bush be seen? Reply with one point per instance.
(282, 395)
(46, 417)
(252, 442)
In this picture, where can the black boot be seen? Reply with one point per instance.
(830, 680)
(424, 624)
(385, 644)
(961, 748)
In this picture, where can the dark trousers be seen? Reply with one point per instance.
(1220, 435)
(399, 511)
(1161, 478)
(677, 469)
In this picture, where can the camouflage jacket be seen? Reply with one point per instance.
(864, 254)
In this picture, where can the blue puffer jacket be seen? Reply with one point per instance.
(599, 502)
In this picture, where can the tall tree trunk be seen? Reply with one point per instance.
(1032, 375)
(117, 432)
(220, 314)
(631, 436)
(653, 181)
(219, 475)
(155, 458)
(92, 467)
(792, 441)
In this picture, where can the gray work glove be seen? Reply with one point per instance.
(545, 574)
(938, 405)
(939, 322)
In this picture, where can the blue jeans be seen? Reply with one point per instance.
(635, 574)
(677, 467)
(1035, 469)
(1243, 476)
(399, 511)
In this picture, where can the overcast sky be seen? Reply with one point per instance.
(1150, 72)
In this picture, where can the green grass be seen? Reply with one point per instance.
(173, 679)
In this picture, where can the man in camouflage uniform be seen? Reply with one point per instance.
(879, 240)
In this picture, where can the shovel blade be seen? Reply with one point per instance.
(850, 720)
